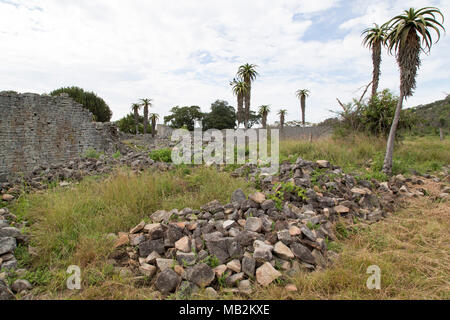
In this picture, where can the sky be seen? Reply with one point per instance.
(183, 53)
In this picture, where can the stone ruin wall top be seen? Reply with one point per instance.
(41, 130)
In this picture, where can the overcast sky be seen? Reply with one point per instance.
(186, 52)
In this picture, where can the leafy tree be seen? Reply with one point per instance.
(184, 117)
(407, 33)
(96, 105)
(154, 118)
(264, 112)
(374, 39)
(248, 74)
(222, 116)
(373, 117)
(282, 113)
(240, 89)
(253, 119)
(146, 103)
(302, 94)
(136, 107)
(128, 124)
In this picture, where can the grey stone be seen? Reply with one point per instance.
(167, 281)
(164, 264)
(253, 224)
(7, 245)
(202, 275)
(186, 289)
(147, 247)
(20, 285)
(234, 279)
(303, 253)
(10, 232)
(187, 259)
(248, 266)
(218, 246)
(5, 292)
(268, 204)
(263, 252)
(238, 196)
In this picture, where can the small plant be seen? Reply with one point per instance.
(282, 190)
(212, 261)
(92, 154)
(162, 155)
(312, 226)
(117, 155)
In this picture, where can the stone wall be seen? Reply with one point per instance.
(41, 130)
(288, 133)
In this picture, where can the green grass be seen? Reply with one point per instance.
(69, 225)
(365, 155)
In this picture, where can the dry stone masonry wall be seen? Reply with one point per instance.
(43, 131)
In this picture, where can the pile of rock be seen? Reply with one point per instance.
(251, 240)
(76, 169)
(10, 238)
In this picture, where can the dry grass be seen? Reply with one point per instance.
(411, 247)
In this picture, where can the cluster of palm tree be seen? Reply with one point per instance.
(242, 87)
(405, 35)
(154, 117)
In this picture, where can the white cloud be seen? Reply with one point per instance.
(186, 53)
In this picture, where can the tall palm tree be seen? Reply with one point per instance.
(282, 113)
(407, 33)
(240, 90)
(146, 103)
(264, 111)
(374, 39)
(248, 74)
(302, 94)
(154, 118)
(136, 107)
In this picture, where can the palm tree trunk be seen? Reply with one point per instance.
(264, 120)
(376, 59)
(153, 127)
(136, 121)
(387, 166)
(303, 102)
(240, 115)
(247, 104)
(441, 133)
(145, 119)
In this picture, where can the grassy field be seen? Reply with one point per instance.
(366, 154)
(69, 226)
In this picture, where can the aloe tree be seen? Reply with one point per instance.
(146, 103)
(302, 94)
(264, 112)
(282, 113)
(248, 74)
(374, 40)
(154, 118)
(409, 34)
(136, 107)
(240, 90)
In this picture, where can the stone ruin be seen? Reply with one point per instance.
(41, 131)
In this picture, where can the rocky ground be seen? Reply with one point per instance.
(250, 241)
(260, 239)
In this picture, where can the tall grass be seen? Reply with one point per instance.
(69, 225)
(365, 154)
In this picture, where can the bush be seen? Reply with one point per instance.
(162, 155)
(89, 100)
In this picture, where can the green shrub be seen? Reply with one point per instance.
(162, 155)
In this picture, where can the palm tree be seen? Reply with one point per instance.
(374, 39)
(264, 111)
(407, 33)
(248, 74)
(154, 118)
(136, 107)
(302, 94)
(146, 103)
(240, 90)
(282, 113)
